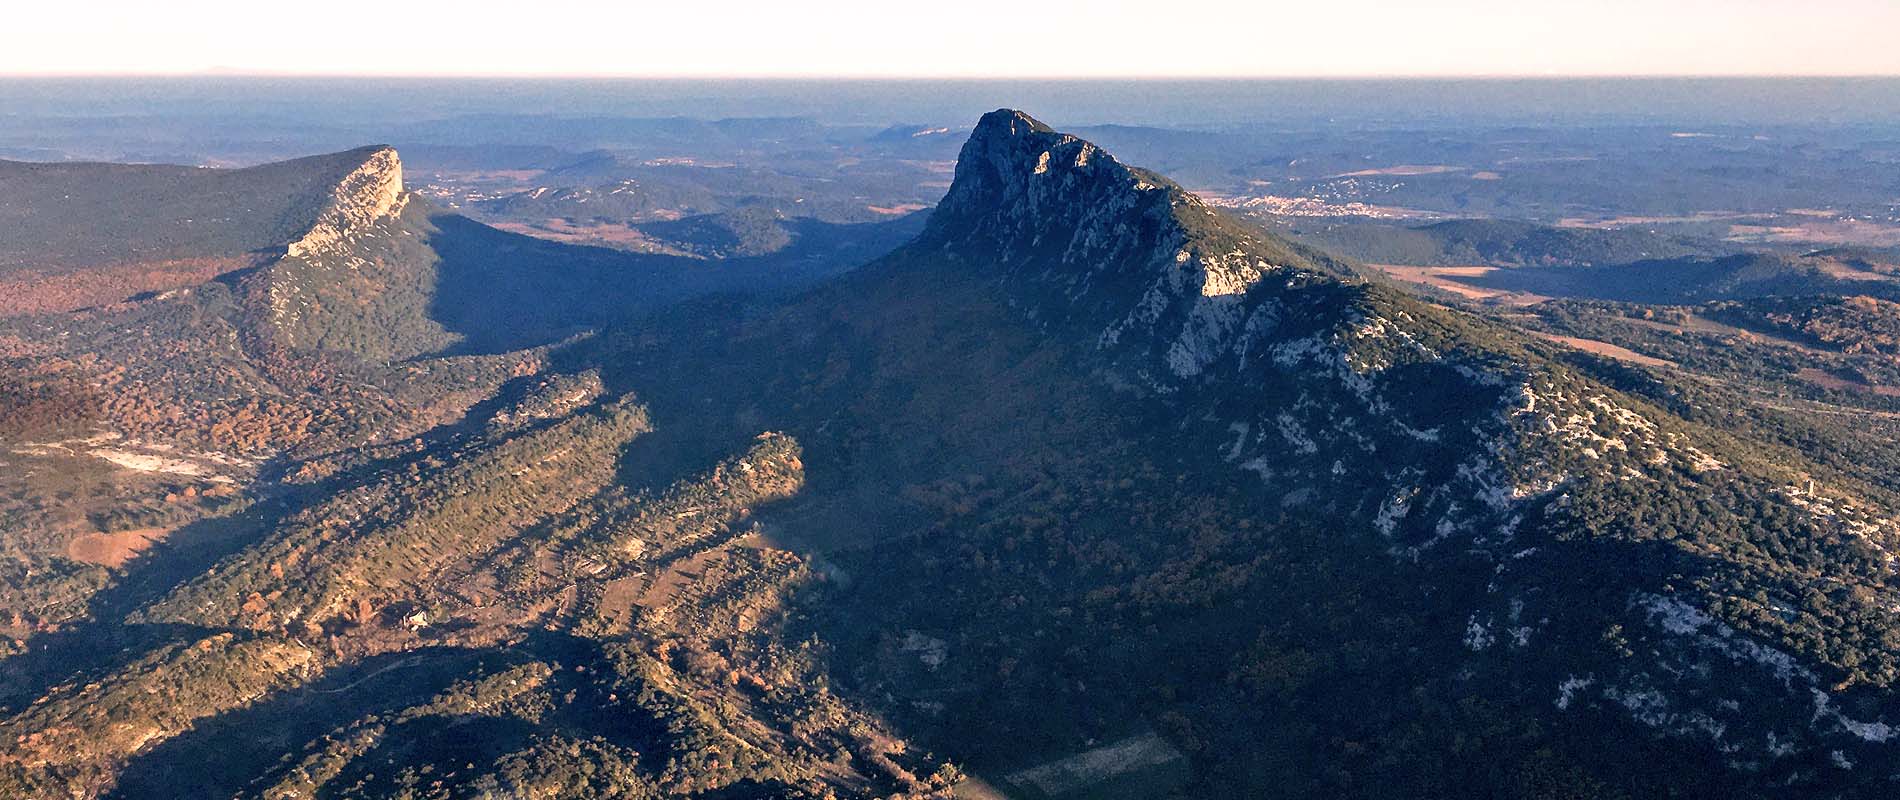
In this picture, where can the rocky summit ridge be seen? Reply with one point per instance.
(369, 192)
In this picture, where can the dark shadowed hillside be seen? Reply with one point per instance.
(1098, 446)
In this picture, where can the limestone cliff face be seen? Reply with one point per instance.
(368, 193)
(1022, 189)
(1054, 208)
(1159, 274)
(360, 280)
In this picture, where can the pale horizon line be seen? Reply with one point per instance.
(219, 72)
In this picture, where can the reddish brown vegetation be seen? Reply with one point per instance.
(113, 549)
(1606, 349)
(33, 292)
(46, 403)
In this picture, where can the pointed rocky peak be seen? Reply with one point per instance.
(1021, 187)
(1027, 194)
(1162, 279)
(369, 190)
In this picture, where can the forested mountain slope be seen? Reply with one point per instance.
(1074, 345)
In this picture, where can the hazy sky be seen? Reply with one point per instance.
(957, 37)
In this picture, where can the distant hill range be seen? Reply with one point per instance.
(1693, 280)
(1500, 243)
